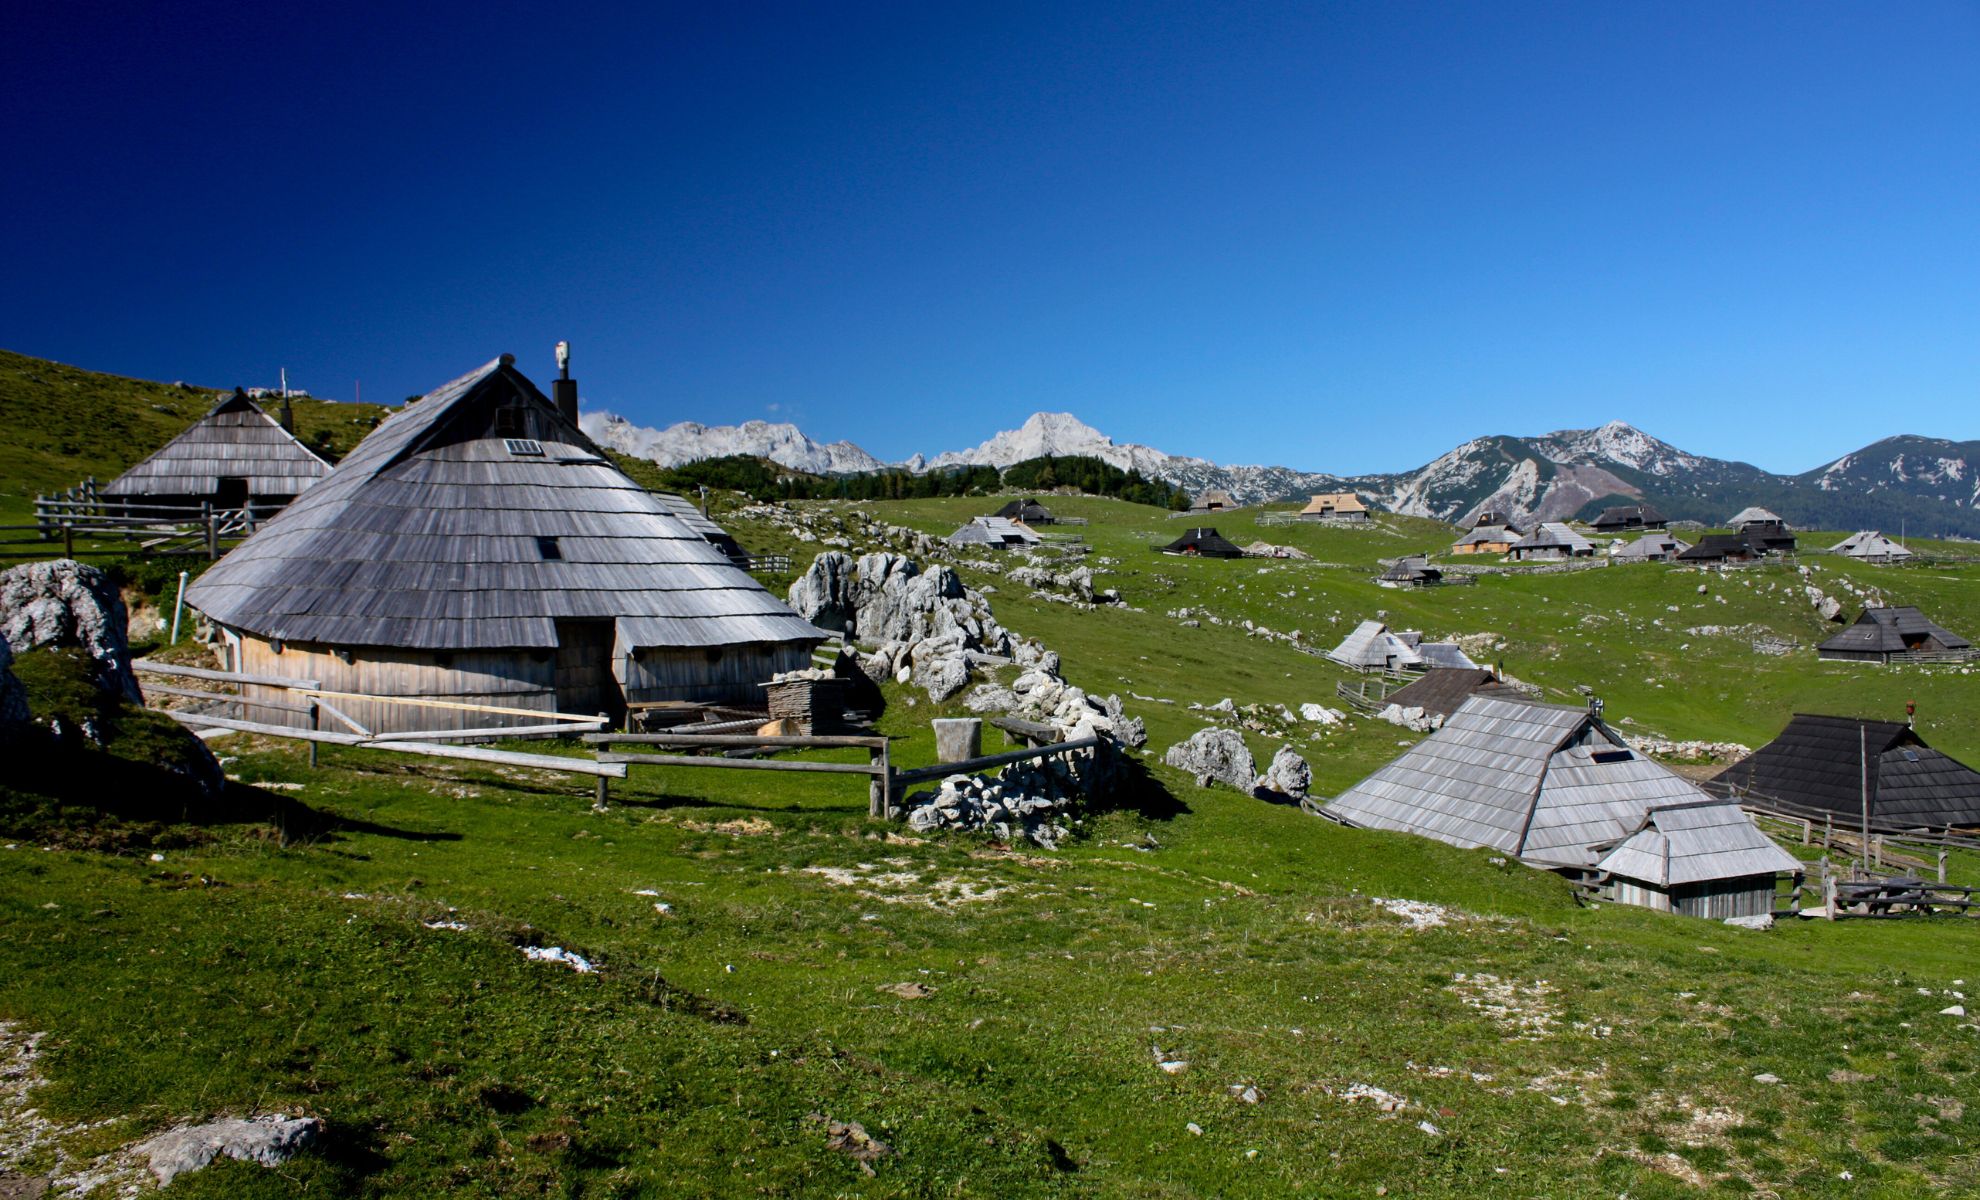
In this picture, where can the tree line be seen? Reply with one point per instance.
(761, 479)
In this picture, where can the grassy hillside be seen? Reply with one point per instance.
(768, 961)
(64, 423)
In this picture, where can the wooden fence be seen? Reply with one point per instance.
(116, 527)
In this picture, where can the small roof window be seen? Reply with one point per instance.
(549, 549)
(523, 446)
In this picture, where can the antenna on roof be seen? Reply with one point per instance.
(563, 360)
(1595, 707)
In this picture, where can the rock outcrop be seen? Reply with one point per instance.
(1215, 755)
(65, 603)
(1288, 776)
(1028, 801)
(270, 1141)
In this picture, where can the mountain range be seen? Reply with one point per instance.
(1919, 484)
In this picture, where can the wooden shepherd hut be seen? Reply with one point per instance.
(1551, 541)
(1629, 517)
(1830, 767)
(1897, 634)
(233, 457)
(1548, 784)
(1335, 506)
(993, 533)
(1651, 547)
(477, 548)
(1706, 859)
(1203, 543)
(1026, 512)
(1487, 539)
(1872, 547)
(1213, 500)
(1410, 571)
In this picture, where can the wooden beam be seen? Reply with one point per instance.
(330, 708)
(452, 705)
(160, 689)
(159, 668)
(739, 764)
(737, 740)
(540, 762)
(456, 735)
(307, 735)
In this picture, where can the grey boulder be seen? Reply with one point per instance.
(64, 603)
(1218, 755)
(270, 1140)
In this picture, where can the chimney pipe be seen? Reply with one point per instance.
(564, 389)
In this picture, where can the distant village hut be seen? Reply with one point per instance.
(1213, 500)
(1714, 548)
(1895, 634)
(1706, 859)
(233, 457)
(1550, 785)
(1831, 767)
(477, 548)
(1372, 647)
(1335, 506)
(1763, 530)
(1495, 518)
(1203, 542)
(992, 533)
(1872, 547)
(1487, 539)
(1410, 572)
(1652, 547)
(1630, 517)
(1443, 690)
(1551, 542)
(1026, 512)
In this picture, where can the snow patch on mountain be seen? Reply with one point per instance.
(782, 443)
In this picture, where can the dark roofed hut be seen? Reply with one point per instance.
(1824, 766)
(1411, 571)
(234, 456)
(478, 548)
(1026, 512)
(1885, 635)
(1627, 517)
(1443, 690)
(1203, 543)
(1214, 500)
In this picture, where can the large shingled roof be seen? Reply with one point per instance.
(439, 533)
(1891, 630)
(234, 440)
(1696, 843)
(1818, 766)
(1541, 782)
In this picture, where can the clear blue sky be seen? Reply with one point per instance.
(1336, 237)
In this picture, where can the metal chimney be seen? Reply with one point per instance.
(564, 389)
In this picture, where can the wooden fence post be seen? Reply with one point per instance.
(1807, 830)
(1942, 866)
(314, 725)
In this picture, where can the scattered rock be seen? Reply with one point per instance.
(1766, 1077)
(1215, 754)
(1412, 718)
(269, 1141)
(1245, 1092)
(557, 954)
(907, 991)
(1288, 776)
(65, 603)
(1957, 1010)
(851, 1139)
(1759, 921)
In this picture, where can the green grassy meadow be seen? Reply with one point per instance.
(347, 941)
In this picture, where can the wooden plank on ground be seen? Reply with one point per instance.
(740, 764)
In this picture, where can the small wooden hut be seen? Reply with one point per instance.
(1886, 635)
(1026, 512)
(1372, 647)
(1551, 541)
(1335, 506)
(1719, 548)
(1213, 500)
(992, 533)
(1704, 859)
(1410, 571)
(233, 457)
(1204, 542)
(1443, 690)
(1629, 517)
(1652, 547)
(477, 548)
(1872, 547)
(1487, 539)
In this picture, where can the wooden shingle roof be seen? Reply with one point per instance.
(235, 439)
(476, 518)
(1818, 766)
(1541, 782)
(1891, 631)
(1696, 843)
(1443, 690)
(1204, 542)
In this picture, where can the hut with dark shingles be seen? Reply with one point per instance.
(1885, 635)
(1551, 541)
(1627, 517)
(1409, 572)
(1214, 500)
(1204, 542)
(478, 548)
(1823, 766)
(1026, 512)
(1699, 860)
(234, 456)
(1443, 690)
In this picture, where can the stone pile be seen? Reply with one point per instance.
(1715, 752)
(1073, 587)
(1411, 717)
(1029, 801)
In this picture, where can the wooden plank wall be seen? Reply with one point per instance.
(717, 675)
(510, 678)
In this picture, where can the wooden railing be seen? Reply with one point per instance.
(774, 563)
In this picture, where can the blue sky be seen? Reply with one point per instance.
(1335, 237)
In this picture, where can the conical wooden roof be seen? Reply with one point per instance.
(236, 440)
(476, 518)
